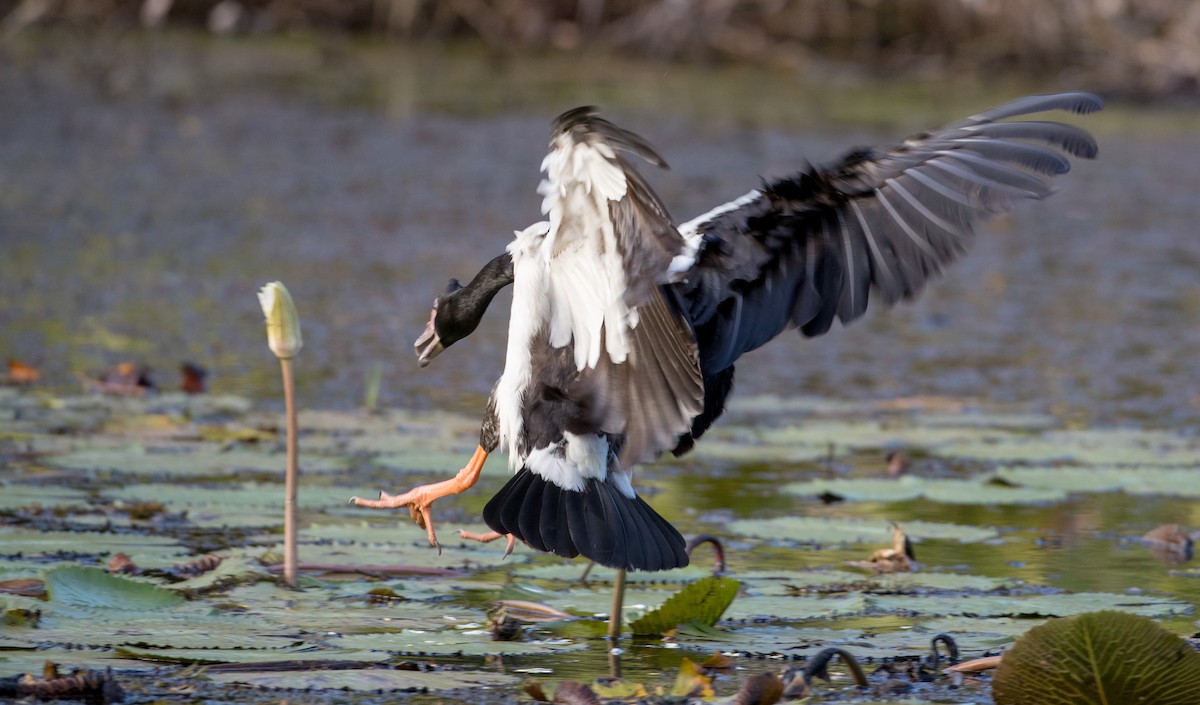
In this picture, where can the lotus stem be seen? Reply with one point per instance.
(718, 550)
(291, 476)
(817, 666)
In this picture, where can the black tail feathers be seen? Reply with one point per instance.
(598, 522)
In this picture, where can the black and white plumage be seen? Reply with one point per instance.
(625, 329)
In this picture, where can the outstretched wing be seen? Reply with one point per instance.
(607, 256)
(802, 251)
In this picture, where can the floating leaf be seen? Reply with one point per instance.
(189, 460)
(794, 642)
(1092, 446)
(13, 496)
(794, 608)
(92, 587)
(702, 602)
(571, 571)
(33, 661)
(475, 642)
(1099, 658)
(791, 582)
(246, 655)
(823, 530)
(376, 679)
(1027, 606)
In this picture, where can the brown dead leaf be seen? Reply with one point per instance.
(977, 665)
(610, 688)
(534, 611)
(21, 373)
(29, 587)
(717, 662)
(762, 689)
(691, 682)
(572, 693)
(194, 378)
(122, 563)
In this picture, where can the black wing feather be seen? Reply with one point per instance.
(814, 247)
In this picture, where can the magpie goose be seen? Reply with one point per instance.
(625, 329)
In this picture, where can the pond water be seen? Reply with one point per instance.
(150, 185)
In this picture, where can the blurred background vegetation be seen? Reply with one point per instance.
(1136, 49)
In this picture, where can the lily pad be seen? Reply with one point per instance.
(794, 642)
(92, 587)
(792, 582)
(189, 460)
(972, 491)
(702, 602)
(13, 496)
(571, 571)
(1097, 659)
(1093, 447)
(874, 434)
(823, 530)
(789, 608)
(147, 551)
(1139, 480)
(247, 655)
(1035, 606)
(477, 642)
(32, 661)
(368, 680)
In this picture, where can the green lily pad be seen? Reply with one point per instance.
(789, 582)
(860, 489)
(92, 587)
(310, 610)
(146, 550)
(756, 451)
(824, 531)
(260, 495)
(874, 434)
(571, 571)
(1031, 606)
(702, 602)
(13, 662)
(247, 655)
(795, 608)
(369, 680)
(792, 642)
(1140, 480)
(1065, 478)
(1097, 659)
(189, 460)
(972, 491)
(13, 496)
(474, 642)
(1092, 447)
(983, 492)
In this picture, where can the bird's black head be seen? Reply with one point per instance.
(458, 311)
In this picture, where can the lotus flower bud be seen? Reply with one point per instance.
(283, 325)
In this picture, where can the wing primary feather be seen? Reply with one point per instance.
(917, 240)
(920, 207)
(880, 260)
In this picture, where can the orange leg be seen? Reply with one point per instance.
(419, 500)
(489, 537)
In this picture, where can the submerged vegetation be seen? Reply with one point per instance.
(148, 540)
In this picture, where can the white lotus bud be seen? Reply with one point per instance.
(283, 324)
